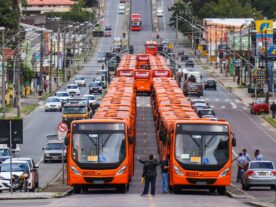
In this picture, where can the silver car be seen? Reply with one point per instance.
(259, 173)
(53, 103)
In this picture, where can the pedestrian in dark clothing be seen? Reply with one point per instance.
(68, 75)
(273, 110)
(45, 86)
(241, 161)
(149, 173)
(165, 177)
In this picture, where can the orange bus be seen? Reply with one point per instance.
(100, 151)
(199, 150)
(143, 80)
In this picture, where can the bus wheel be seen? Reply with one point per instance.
(221, 190)
(212, 190)
(176, 189)
(77, 189)
(122, 188)
(84, 189)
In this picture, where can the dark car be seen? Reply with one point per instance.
(107, 31)
(95, 87)
(193, 89)
(101, 57)
(210, 84)
(189, 63)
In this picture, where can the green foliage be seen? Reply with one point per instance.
(8, 14)
(28, 74)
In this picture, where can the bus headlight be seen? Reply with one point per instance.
(75, 171)
(122, 170)
(225, 172)
(177, 170)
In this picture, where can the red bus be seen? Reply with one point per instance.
(136, 22)
(151, 47)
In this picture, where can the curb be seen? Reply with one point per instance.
(258, 204)
(66, 193)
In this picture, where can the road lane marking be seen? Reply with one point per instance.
(234, 106)
(38, 163)
(223, 107)
(217, 99)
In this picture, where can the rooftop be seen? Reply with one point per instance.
(50, 2)
(229, 21)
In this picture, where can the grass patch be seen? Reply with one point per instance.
(205, 67)
(269, 119)
(229, 88)
(28, 108)
(8, 109)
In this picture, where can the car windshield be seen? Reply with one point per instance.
(77, 101)
(72, 87)
(90, 97)
(53, 100)
(4, 152)
(101, 55)
(107, 28)
(79, 78)
(201, 149)
(16, 167)
(200, 105)
(74, 110)
(95, 84)
(63, 94)
(211, 81)
(54, 146)
(99, 148)
(261, 165)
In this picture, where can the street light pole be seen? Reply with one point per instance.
(266, 69)
(176, 54)
(3, 74)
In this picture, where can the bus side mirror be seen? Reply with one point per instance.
(66, 141)
(130, 139)
(234, 142)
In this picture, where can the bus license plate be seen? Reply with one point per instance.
(201, 183)
(98, 182)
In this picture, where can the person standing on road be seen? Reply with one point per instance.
(241, 161)
(273, 110)
(246, 155)
(165, 177)
(149, 173)
(258, 155)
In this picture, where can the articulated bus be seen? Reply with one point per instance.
(199, 150)
(143, 80)
(100, 151)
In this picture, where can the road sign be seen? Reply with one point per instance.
(265, 88)
(62, 127)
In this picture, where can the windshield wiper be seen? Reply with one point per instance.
(91, 139)
(106, 140)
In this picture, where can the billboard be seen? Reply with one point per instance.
(264, 38)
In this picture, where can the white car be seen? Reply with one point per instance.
(91, 98)
(73, 89)
(80, 81)
(19, 167)
(159, 12)
(121, 8)
(63, 96)
(53, 103)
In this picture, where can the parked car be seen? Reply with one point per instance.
(53, 151)
(121, 8)
(259, 106)
(80, 81)
(107, 31)
(33, 167)
(73, 89)
(206, 113)
(95, 87)
(101, 57)
(53, 103)
(4, 154)
(19, 167)
(189, 63)
(159, 12)
(63, 96)
(192, 89)
(210, 83)
(259, 173)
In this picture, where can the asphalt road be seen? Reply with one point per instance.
(40, 123)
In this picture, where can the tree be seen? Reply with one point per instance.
(9, 14)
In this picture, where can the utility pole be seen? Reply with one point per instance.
(176, 54)
(51, 64)
(216, 49)
(41, 61)
(3, 73)
(64, 55)
(266, 69)
(249, 54)
(58, 56)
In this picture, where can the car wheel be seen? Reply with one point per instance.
(45, 161)
(46, 110)
(221, 190)
(215, 88)
(273, 187)
(60, 110)
(251, 111)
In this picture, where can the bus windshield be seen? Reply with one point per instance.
(202, 149)
(99, 148)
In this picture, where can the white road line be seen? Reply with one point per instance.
(237, 101)
(212, 106)
(226, 100)
(245, 108)
(207, 99)
(217, 99)
(234, 106)
(223, 107)
(38, 163)
(233, 151)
